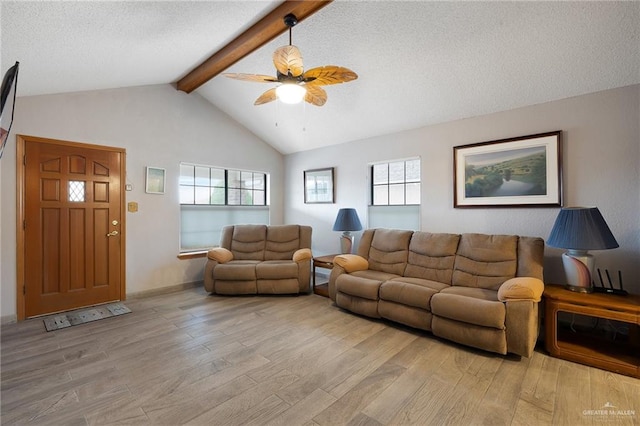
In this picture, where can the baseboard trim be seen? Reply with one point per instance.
(8, 319)
(164, 290)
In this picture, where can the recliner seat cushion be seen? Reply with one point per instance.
(468, 309)
(276, 269)
(240, 270)
(408, 291)
(358, 286)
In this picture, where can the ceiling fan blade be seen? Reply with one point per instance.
(315, 95)
(329, 74)
(268, 96)
(288, 59)
(258, 78)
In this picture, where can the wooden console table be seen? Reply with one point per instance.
(586, 347)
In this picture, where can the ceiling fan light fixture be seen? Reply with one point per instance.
(291, 93)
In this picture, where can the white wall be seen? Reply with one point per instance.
(158, 126)
(601, 168)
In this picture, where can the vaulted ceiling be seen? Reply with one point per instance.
(419, 62)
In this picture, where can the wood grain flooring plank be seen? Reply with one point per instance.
(35, 408)
(74, 413)
(572, 394)
(235, 410)
(378, 349)
(319, 377)
(350, 405)
(540, 381)
(303, 411)
(608, 393)
(528, 414)
(182, 408)
(502, 396)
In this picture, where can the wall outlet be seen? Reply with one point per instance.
(132, 207)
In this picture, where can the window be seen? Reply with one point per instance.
(213, 197)
(220, 187)
(396, 183)
(395, 195)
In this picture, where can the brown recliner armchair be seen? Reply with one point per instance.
(260, 259)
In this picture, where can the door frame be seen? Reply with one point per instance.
(20, 213)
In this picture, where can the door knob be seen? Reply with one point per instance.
(112, 234)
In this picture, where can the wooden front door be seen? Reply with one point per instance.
(72, 225)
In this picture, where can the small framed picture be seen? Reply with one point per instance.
(155, 180)
(318, 186)
(515, 172)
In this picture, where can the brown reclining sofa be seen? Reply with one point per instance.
(474, 289)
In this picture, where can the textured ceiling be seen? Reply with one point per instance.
(419, 63)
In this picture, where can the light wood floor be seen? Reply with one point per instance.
(188, 357)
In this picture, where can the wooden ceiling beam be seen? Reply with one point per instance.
(255, 37)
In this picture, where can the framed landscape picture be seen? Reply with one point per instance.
(318, 186)
(522, 171)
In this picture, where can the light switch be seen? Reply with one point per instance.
(128, 187)
(132, 207)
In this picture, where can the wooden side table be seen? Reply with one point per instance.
(325, 262)
(620, 356)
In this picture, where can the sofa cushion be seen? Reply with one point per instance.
(364, 288)
(275, 269)
(241, 270)
(281, 242)
(478, 293)
(389, 250)
(469, 309)
(248, 242)
(485, 261)
(432, 256)
(530, 257)
(409, 291)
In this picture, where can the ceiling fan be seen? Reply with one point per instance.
(296, 84)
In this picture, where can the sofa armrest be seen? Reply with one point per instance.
(302, 255)
(520, 289)
(220, 255)
(351, 262)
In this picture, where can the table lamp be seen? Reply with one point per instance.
(347, 221)
(580, 229)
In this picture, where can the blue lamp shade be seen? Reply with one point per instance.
(581, 228)
(347, 220)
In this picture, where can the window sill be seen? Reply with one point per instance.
(192, 255)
